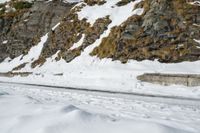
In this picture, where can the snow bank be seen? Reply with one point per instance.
(24, 114)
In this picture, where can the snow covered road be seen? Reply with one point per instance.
(53, 110)
(161, 98)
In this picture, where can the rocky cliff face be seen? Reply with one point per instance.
(166, 31)
(22, 29)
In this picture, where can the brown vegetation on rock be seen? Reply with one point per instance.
(70, 31)
(165, 32)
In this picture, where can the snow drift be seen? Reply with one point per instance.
(22, 114)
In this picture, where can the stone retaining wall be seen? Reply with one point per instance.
(171, 79)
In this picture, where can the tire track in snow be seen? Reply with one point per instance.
(177, 100)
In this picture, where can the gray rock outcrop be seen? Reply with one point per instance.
(22, 31)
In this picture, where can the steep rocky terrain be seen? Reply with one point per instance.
(22, 29)
(167, 31)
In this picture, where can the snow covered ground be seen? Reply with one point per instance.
(39, 110)
(91, 73)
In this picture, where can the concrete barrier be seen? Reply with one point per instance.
(171, 79)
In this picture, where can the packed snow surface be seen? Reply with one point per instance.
(36, 110)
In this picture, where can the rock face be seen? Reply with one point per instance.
(23, 30)
(166, 31)
(70, 31)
